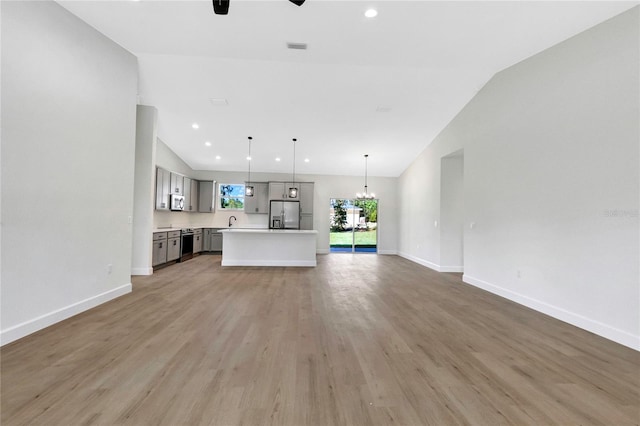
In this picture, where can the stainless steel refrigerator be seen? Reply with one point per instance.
(284, 215)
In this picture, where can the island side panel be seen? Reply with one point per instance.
(269, 249)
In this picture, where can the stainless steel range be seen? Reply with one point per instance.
(186, 246)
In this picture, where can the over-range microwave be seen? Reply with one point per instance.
(177, 202)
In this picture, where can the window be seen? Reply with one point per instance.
(231, 196)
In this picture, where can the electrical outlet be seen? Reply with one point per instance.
(109, 268)
(130, 220)
(519, 274)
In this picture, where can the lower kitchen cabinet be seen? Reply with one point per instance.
(159, 248)
(197, 241)
(159, 252)
(173, 249)
(216, 240)
(212, 240)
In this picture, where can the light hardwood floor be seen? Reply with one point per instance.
(359, 340)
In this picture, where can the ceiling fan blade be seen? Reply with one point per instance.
(297, 2)
(221, 7)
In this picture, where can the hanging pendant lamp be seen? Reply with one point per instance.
(365, 195)
(248, 189)
(293, 191)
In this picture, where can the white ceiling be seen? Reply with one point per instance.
(422, 59)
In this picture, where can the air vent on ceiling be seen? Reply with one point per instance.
(383, 109)
(297, 46)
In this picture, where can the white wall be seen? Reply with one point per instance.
(144, 189)
(550, 155)
(325, 188)
(68, 116)
(452, 213)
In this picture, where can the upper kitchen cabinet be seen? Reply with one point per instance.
(190, 195)
(259, 203)
(206, 196)
(177, 184)
(163, 189)
(280, 190)
(276, 191)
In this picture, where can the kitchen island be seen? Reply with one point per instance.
(268, 247)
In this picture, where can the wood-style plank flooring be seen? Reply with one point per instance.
(359, 340)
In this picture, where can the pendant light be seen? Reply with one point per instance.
(248, 189)
(365, 195)
(293, 191)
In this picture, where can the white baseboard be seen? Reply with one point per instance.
(234, 262)
(141, 271)
(392, 252)
(596, 327)
(24, 329)
(451, 268)
(419, 261)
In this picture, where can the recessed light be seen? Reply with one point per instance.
(207, 143)
(277, 158)
(371, 13)
(218, 157)
(222, 102)
(195, 126)
(248, 158)
(306, 160)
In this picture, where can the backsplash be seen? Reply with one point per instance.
(162, 219)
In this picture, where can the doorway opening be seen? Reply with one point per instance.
(353, 226)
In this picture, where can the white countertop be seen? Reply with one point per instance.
(268, 231)
(166, 229)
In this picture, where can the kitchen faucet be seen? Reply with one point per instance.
(231, 217)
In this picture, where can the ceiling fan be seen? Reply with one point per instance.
(221, 7)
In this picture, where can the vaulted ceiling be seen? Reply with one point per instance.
(383, 86)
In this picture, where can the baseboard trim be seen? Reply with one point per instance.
(419, 261)
(283, 263)
(322, 251)
(390, 252)
(451, 268)
(141, 271)
(24, 329)
(596, 327)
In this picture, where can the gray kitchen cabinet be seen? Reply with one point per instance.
(193, 204)
(215, 240)
(197, 240)
(259, 203)
(163, 188)
(306, 197)
(280, 190)
(276, 191)
(173, 249)
(206, 239)
(306, 221)
(211, 240)
(159, 248)
(177, 184)
(190, 194)
(186, 191)
(206, 196)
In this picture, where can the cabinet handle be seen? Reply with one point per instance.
(160, 246)
(174, 242)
